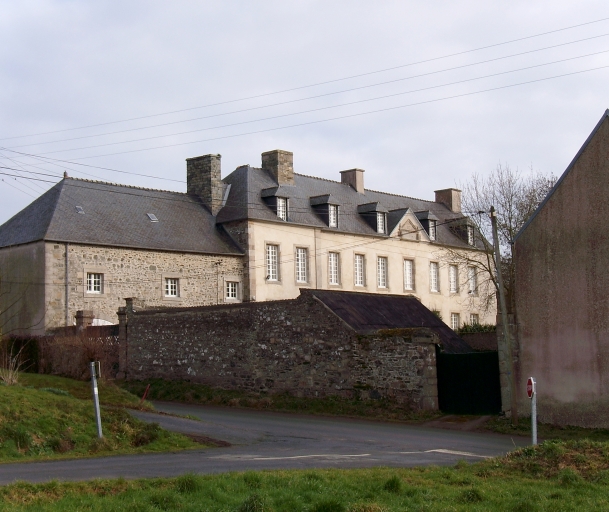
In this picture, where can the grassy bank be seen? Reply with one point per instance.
(555, 476)
(545, 431)
(188, 392)
(48, 421)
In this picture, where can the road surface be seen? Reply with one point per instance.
(269, 440)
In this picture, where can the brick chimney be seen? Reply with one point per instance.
(203, 180)
(280, 164)
(451, 198)
(354, 178)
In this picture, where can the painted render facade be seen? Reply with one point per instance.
(562, 293)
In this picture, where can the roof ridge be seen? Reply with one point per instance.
(367, 190)
(98, 182)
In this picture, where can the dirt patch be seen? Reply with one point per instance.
(209, 441)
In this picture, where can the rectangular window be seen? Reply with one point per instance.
(432, 229)
(231, 290)
(434, 282)
(272, 263)
(301, 265)
(453, 278)
(455, 321)
(381, 271)
(333, 268)
(94, 282)
(380, 222)
(359, 270)
(333, 216)
(408, 275)
(171, 287)
(472, 279)
(282, 208)
(470, 235)
(474, 319)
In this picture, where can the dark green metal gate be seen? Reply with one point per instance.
(469, 383)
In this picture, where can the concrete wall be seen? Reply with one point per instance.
(295, 346)
(131, 273)
(562, 290)
(22, 304)
(319, 242)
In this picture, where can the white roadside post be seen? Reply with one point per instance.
(96, 400)
(532, 394)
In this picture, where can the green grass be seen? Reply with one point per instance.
(49, 422)
(545, 431)
(189, 392)
(556, 476)
(109, 393)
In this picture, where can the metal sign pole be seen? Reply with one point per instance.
(532, 394)
(96, 400)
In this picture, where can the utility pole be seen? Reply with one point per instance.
(504, 320)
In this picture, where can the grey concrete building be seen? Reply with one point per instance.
(562, 292)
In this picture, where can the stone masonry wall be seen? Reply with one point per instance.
(296, 346)
(132, 273)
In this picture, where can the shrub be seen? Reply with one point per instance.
(149, 432)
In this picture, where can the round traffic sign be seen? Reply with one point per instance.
(530, 387)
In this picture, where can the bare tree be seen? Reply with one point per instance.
(515, 196)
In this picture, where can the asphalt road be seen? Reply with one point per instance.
(268, 440)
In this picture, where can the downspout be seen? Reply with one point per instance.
(67, 284)
(315, 252)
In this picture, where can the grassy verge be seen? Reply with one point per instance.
(545, 431)
(49, 422)
(188, 392)
(554, 476)
(109, 393)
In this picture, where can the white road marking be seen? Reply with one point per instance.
(254, 457)
(450, 452)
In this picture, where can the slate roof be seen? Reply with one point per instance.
(367, 313)
(116, 215)
(245, 201)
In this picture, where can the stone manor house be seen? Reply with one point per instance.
(259, 234)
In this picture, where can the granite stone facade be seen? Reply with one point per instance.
(297, 346)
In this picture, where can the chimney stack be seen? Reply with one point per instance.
(280, 164)
(451, 198)
(353, 178)
(203, 179)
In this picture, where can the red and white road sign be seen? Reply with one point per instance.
(530, 387)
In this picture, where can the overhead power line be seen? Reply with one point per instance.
(334, 93)
(350, 77)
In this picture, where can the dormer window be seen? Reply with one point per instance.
(470, 235)
(333, 215)
(282, 208)
(432, 229)
(380, 222)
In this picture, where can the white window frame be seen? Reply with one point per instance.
(455, 321)
(408, 274)
(282, 208)
(433, 230)
(172, 287)
(381, 222)
(359, 270)
(434, 276)
(453, 279)
(381, 271)
(333, 215)
(272, 263)
(95, 283)
(301, 260)
(470, 235)
(333, 268)
(231, 290)
(474, 319)
(472, 279)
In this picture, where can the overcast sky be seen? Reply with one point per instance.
(68, 65)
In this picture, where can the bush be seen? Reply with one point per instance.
(471, 328)
(149, 432)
